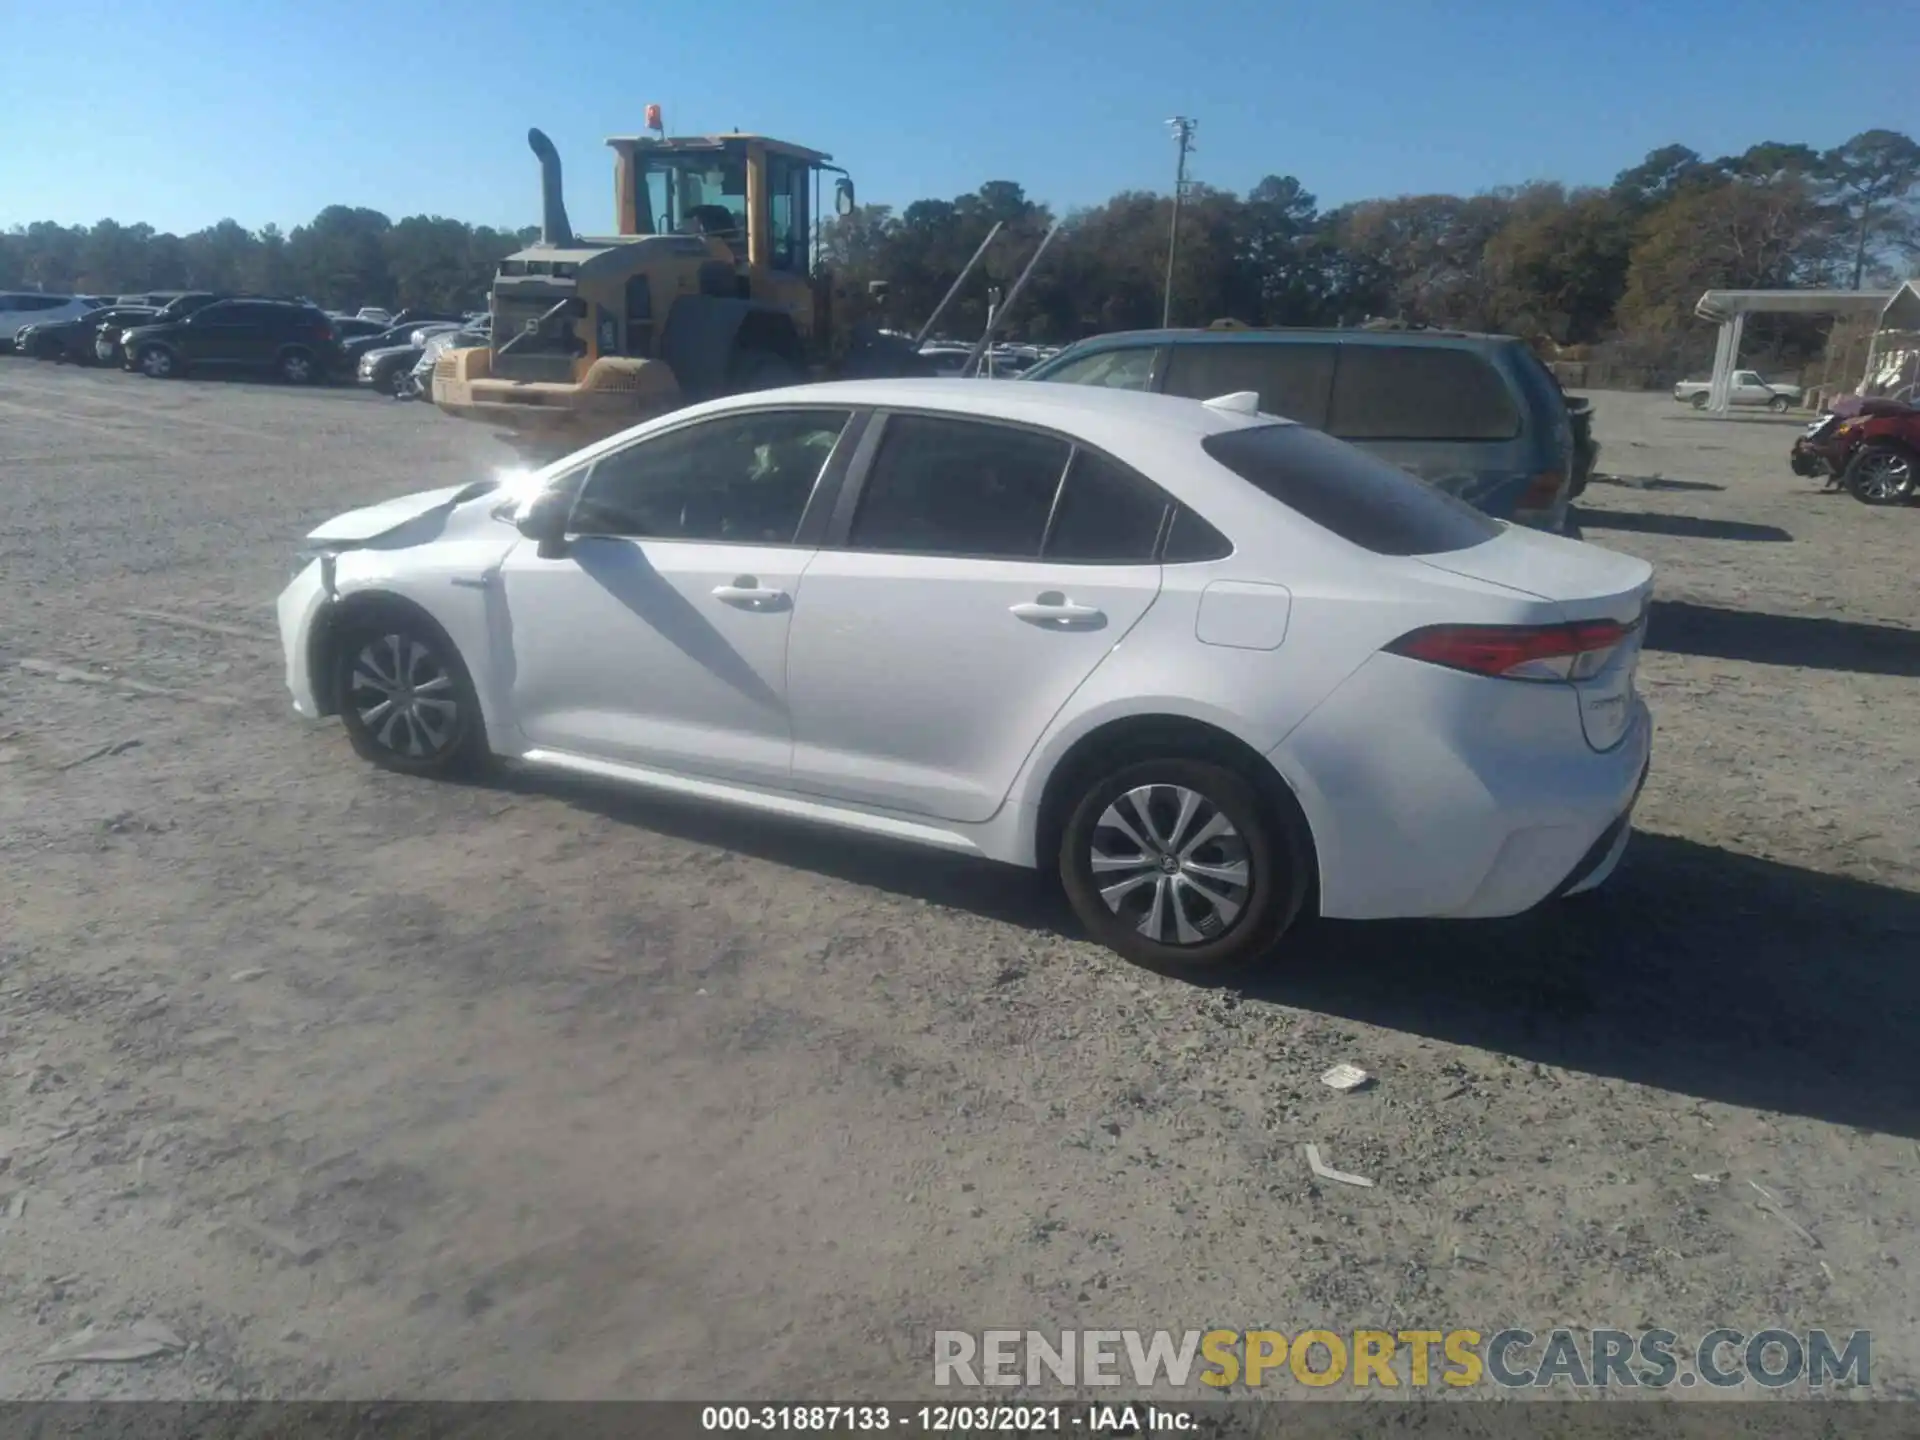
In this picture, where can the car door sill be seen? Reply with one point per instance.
(771, 802)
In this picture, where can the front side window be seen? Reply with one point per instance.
(742, 479)
(1130, 369)
(943, 486)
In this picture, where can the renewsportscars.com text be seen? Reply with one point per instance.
(1508, 1359)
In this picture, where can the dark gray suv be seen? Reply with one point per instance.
(1477, 415)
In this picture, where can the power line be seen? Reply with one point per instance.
(1183, 128)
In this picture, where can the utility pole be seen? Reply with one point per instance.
(1183, 128)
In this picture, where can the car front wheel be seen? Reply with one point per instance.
(406, 699)
(1882, 473)
(1179, 865)
(158, 363)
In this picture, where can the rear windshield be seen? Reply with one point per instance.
(1363, 500)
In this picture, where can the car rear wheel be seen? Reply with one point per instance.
(156, 362)
(406, 699)
(1881, 473)
(296, 367)
(1181, 866)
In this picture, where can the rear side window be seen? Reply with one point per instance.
(1105, 515)
(1294, 380)
(1362, 499)
(1113, 369)
(1190, 538)
(1406, 392)
(959, 487)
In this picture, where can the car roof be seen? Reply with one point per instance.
(1286, 334)
(1065, 406)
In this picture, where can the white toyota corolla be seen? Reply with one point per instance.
(1217, 668)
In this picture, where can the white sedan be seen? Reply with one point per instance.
(1217, 669)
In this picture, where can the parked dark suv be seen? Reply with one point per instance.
(1476, 415)
(279, 337)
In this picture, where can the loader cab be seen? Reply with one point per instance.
(755, 195)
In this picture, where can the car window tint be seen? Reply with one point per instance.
(1130, 369)
(959, 487)
(1190, 538)
(1294, 380)
(743, 479)
(1405, 392)
(1105, 514)
(1357, 496)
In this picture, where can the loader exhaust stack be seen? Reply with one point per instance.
(554, 229)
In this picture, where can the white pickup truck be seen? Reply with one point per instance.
(1747, 389)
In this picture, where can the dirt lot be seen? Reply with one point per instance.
(371, 1087)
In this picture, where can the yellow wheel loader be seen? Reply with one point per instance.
(707, 290)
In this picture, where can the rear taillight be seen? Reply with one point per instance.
(1541, 491)
(1517, 652)
(326, 332)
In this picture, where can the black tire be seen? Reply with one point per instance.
(297, 367)
(1700, 399)
(431, 736)
(1883, 472)
(1260, 844)
(1779, 404)
(760, 370)
(157, 362)
(398, 382)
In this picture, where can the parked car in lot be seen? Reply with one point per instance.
(347, 328)
(420, 379)
(1745, 388)
(77, 340)
(898, 607)
(389, 369)
(1477, 415)
(293, 341)
(20, 308)
(1874, 452)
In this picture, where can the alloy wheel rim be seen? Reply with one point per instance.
(1885, 477)
(158, 362)
(404, 697)
(296, 367)
(1168, 860)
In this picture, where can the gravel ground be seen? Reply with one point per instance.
(364, 1087)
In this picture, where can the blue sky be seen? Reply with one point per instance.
(184, 112)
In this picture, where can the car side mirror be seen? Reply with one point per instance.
(843, 196)
(545, 522)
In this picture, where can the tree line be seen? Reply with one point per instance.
(1617, 266)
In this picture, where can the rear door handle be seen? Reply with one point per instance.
(746, 593)
(1053, 611)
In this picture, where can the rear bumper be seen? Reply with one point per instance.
(528, 405)
(1472, 810)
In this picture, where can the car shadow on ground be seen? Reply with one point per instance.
(1697, 970)
(1687, 527)
(1682, 627)
(1654, 482)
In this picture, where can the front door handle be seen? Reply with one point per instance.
(1053, 611)
(746, 593)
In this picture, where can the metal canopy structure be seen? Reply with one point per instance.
(1729, 310)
